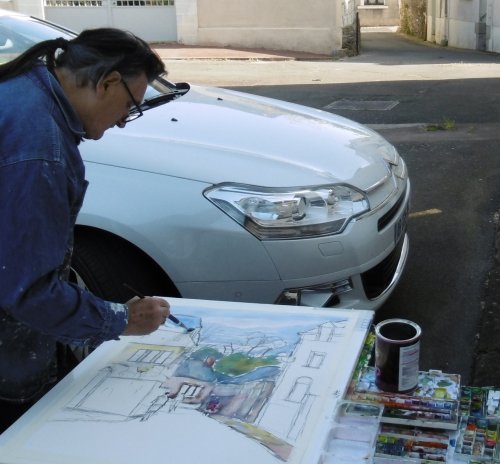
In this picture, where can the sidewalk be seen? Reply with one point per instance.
(175, 51)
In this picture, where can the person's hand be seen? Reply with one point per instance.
(145, 315)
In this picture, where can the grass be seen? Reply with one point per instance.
(445, 124)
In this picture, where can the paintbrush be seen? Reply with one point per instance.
(170, 316)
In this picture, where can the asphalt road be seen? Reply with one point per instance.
(441, 108)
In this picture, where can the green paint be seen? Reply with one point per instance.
(240, 363)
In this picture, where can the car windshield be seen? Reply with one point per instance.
(18, 33)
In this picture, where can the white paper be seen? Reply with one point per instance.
(251, 384)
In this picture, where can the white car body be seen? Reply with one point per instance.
(152, 219)
(147, 183)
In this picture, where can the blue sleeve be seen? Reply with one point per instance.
(36, 227)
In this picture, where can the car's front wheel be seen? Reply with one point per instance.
(103, 263)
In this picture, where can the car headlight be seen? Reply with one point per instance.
(281, 213)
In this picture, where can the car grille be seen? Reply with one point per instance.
(377, 279)
(387, 217)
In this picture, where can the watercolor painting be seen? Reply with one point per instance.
(254, 380)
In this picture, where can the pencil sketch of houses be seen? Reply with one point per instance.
(286, 409)
(261, 383)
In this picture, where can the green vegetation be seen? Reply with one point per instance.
(205, 353)
(240, 363)
(445, 124)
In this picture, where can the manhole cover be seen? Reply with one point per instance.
(358, 105)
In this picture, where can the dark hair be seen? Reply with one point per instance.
(94, 53)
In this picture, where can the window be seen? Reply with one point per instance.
(373, 2)
(315, 359)
(151, 356)
(73, 3)
(189, 390)
(299, 390)
(143, 3)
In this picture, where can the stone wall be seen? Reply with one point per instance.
(413, 18)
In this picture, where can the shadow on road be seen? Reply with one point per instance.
(393, 48)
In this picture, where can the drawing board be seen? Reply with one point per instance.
(251, 383)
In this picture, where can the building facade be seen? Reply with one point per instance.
(278, 25)
(373, 13)
(472, 24)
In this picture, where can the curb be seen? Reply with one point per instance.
(175, 51)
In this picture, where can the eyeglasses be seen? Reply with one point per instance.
(134, 112)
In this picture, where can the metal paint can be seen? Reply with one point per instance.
(397, 353)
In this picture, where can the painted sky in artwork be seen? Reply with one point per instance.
(223, 326)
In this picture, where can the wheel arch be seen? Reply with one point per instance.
(159, 283)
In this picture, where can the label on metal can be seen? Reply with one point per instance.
(408, 366)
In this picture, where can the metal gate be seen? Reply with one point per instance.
(152, 20)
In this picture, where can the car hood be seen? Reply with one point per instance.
(215, 135)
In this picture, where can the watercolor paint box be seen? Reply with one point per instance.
(353, 433)
(400, 443)
(435, 402)
(480, 402)
(478, 440)
(358, 436)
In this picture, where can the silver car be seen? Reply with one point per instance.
(221, 195)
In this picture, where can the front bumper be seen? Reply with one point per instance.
(368, 290)
(379, 244)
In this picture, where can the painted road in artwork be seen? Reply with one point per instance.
(248, 384)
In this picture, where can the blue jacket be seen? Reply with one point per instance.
(42, 185)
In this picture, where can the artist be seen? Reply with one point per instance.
(53, 96)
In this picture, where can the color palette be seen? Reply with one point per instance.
(353, 433)
(411, 444)
(434, 403)
(480, 402)
(478, 439)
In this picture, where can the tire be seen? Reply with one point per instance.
(102, 263)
